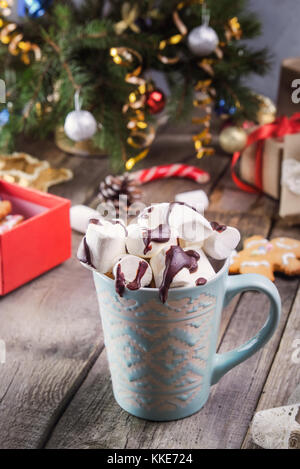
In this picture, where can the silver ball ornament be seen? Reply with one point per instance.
(80, 125)
(202, 40)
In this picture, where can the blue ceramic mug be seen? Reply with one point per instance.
(162, 357)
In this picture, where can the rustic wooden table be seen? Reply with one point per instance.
(55, 388)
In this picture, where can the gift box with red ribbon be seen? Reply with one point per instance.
(270, 152)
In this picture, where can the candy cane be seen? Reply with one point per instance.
(171, 170)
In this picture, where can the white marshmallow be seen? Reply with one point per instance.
(80, 216)
(187, 223)
(136, 245)
(183, 278)
(106, 243)
(197, 199)
(190, 225)
(131, 267)
(153, 216)
(220, 245)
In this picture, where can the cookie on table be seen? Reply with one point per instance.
(261, 256)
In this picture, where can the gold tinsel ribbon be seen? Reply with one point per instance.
(207, 92)
(141, 133)
(203, 138)
(129, 17)
(233, 29)
(10, 36)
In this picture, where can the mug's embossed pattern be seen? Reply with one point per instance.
(158, 353)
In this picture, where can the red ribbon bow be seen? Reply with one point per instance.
(277, 129)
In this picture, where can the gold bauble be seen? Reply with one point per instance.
(233, 139)
(267, 110)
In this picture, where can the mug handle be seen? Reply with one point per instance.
(237, 284)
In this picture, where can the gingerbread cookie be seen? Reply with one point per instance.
(261, 256)
(5, 208)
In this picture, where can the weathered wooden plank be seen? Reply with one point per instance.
(277, 388)
(52, 333)
(88, 172)
(53, 321)
(284, 375)
(227, 197)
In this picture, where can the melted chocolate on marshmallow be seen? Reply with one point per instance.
(84, 253)
(176, 260)
(200, 281)
(161, 234)
(120, 281)
(216, 227)
(136, 283)
(95, 221)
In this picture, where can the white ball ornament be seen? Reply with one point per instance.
(80, 125)
(202, 40)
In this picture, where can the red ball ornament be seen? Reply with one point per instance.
(155, 101)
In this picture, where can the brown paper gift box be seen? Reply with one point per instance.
(275, 153)
(271, 166)
(289, 200)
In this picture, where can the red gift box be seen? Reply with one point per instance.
(40, 242)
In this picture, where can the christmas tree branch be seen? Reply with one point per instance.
(64, 63)
(36, 93)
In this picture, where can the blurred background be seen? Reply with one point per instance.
(281, 34)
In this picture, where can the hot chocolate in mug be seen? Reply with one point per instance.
(162, 357)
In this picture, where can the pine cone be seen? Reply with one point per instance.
(122, 191)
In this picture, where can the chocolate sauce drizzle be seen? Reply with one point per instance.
(216, 227)
(161, 234)
(84, 253)
(176, 260)
(200, 281)
(136, 283)
(120, 281)
(96, 221)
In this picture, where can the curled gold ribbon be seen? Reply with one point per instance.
(16, 45)
(134, 160)
(141, 134)
(233, 29)
(173, 40)
(129, 17)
